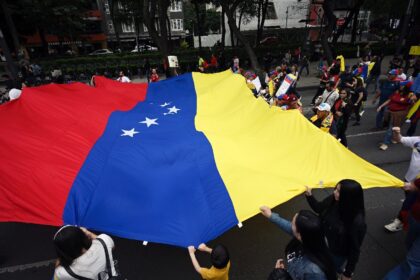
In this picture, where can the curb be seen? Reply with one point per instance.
(307, 87)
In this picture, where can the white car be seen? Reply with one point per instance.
(143, 48)
(101, 52)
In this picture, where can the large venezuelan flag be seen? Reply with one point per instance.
(199, 155)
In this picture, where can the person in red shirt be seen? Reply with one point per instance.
(154, 77)
(398, 105)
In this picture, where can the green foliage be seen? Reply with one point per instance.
(53, 16)
(212, 21)
(184, 45)
(209, 19)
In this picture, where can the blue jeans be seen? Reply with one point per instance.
(380, 117)
(388, 135)
(413, 232)
(410, 267)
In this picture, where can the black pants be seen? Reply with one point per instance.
(341, 130)
(356, 110)
(412, 129)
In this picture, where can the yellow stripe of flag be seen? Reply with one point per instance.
(265, 155)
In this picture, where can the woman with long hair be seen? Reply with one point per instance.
(307, 255)
(82, 254)
(343, 218)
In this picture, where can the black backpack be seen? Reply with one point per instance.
(102, 274)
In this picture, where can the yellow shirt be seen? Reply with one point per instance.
(215, 273)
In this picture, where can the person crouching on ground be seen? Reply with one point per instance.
(220, 260)
(323, 118)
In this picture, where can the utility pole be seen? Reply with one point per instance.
(9, 62)
(401, 41)
(287, 15)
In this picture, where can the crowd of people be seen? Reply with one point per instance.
(325, 242)
(343, 92)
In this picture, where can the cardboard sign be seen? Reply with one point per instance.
(173, 61)
(415, 50)
(288, 81)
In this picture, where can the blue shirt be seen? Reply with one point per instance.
(387, 88)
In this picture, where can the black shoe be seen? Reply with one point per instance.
(356, 124)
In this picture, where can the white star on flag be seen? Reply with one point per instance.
(149, 122)
(165, 104)
(173, 110)
(130, 132)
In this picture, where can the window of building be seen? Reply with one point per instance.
(176, 6)
(271, 11)
(177, 24)
(127, 27)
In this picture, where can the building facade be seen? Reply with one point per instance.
(127, 32)
(93, 37)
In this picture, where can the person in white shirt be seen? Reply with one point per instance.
(82, 254)
(122, 78)
(329, 96)
(401, 75)
(411, 175)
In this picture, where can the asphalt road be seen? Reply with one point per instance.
(26, 250)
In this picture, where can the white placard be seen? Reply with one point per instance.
(173, 61)
(286, 84)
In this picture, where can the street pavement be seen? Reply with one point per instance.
(26, 250)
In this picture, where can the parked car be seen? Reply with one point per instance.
(143, 48)
(269, 41)
(101, 52)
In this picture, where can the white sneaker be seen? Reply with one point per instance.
(395, 226)
(383, 147)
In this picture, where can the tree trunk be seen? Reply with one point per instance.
(355, 24)
(239, 25)
(258, 21)
(404, 29)
(150, 7)
(11, 67)
(232, 24)
(223, 29)
(197, 15)
(261, 27)
(43, 41)
(11, 26)
(331, 21)
(341, 29)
